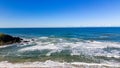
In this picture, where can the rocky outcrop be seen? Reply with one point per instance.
(7, 39)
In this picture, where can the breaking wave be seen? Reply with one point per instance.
(53, 64)
(75, 46)
(69, 50)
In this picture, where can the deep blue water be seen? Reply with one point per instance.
(91, 33)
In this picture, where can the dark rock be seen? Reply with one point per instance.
(26, 41)
(32, 40)
(7, 39)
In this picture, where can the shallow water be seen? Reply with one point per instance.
(85, 45)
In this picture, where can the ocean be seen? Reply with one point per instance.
(85, 47)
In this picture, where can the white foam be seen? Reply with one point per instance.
(53, 64)
(43, 38)
(5, 46)
(89, 47)
(32, 48)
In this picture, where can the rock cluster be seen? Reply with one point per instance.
(8, 39)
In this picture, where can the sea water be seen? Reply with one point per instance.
(70, 47)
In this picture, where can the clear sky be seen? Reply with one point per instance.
(59, 13)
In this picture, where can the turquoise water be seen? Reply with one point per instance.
(63, 44)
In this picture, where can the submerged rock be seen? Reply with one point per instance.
(7, 39)
(26, 41)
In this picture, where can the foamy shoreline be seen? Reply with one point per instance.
(53, 64)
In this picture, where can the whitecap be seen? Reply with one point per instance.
(95, 48)
(38, 47)
(55, 64)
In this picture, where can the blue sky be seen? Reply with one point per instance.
(59, 13)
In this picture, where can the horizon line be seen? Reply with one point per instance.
(67, 27)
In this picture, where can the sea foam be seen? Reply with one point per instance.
(109, 50)
(54, 64)
(95, 48)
